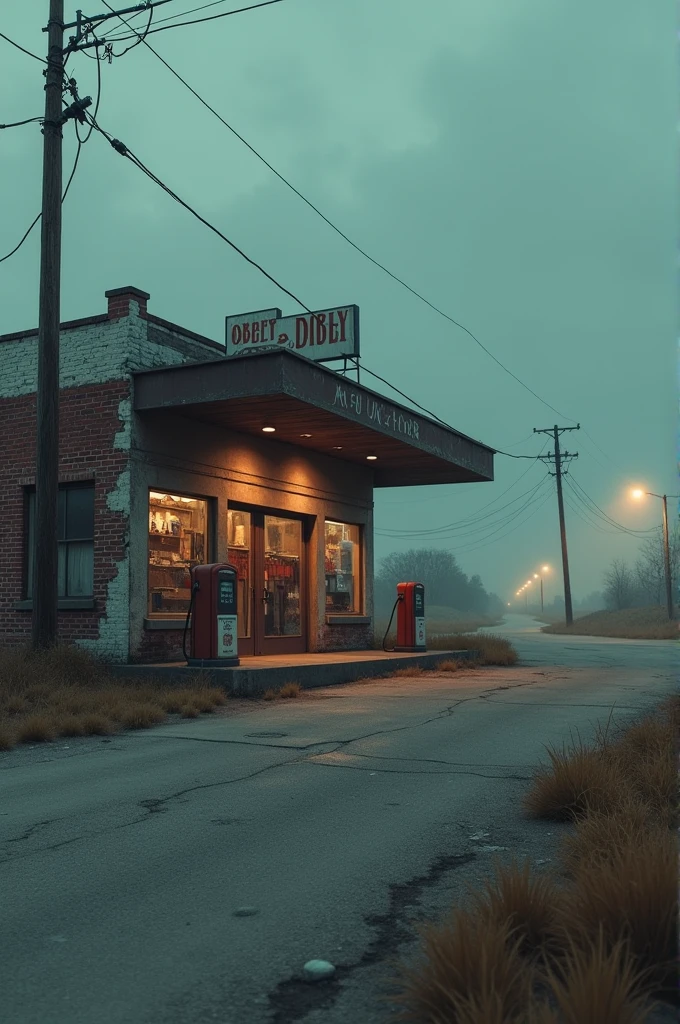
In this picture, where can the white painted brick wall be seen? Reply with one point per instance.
(95, 354)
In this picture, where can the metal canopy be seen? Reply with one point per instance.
(297, 397)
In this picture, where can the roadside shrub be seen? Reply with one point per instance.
(633, 897)
(290, 690)
(578, 779)
(598, 983)
(466, 959)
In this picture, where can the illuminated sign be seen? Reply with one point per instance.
(323, 335)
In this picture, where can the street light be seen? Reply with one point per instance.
(639, 494)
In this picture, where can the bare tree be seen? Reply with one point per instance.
(650, 570)
(619, 585)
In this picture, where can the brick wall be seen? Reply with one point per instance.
(90, 422)
(159, 645)
(345, 638)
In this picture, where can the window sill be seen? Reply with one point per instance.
(65, 604)
(349, 619)
(165, 623)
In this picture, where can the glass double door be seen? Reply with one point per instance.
(267, 550)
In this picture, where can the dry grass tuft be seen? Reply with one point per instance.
(469, 961)
(36, 729)
(270, 694)
(190, 711)
(72, 725)
(7, 739)
(598, 983)
(600, 835)
(448, 665)
(633, 896)
(527, 904)
(631, 623)
(290, 690)
(140, 716)
(408, 673)
(579, 778)
(96, 724)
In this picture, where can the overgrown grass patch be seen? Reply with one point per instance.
(629, 623)
(68, 692)
(492, 649)
(593, 943)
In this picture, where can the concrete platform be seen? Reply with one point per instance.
(255, 675)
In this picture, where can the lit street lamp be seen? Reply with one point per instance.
(638, 494)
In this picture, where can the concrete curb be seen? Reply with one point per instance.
(252, 681)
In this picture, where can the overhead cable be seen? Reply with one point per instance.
(33, 223)
(588, 501)
(195, 21)
(27, 52)
(463, 524)
(330, 223)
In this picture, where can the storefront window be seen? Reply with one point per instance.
(177, 542)
(343, 568)
(240, 556)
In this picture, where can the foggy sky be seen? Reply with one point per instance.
(515, 160)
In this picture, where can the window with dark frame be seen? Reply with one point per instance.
(343, 555)
(75, 533)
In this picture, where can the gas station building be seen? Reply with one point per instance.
(177, 451)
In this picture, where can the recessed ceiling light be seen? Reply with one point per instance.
(337, 447)
(268, 430)
(305, 435)
(371, 458)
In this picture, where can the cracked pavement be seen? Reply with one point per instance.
(185, 874)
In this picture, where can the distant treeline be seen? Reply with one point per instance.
(445, 582)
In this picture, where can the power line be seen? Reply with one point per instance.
(195, 21)
(27, 52)
(123, 150)
(326, 219)
(171, 17)
(411, 501)
(486, 542)
(17, 124)
(461, 524)
(33, 223)
(585, 500)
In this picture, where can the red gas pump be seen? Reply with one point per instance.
(410, 617)
(214, 621)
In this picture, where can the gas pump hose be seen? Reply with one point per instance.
(186, 622)
(400, 597)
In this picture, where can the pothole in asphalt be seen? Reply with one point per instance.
(262, 735)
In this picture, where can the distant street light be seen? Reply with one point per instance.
(638, 494)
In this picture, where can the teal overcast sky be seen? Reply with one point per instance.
(514, 160)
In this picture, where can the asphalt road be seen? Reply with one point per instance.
(185, 874)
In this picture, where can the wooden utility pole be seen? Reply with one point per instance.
(557, 458)
(45, 550)
(667, 558)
